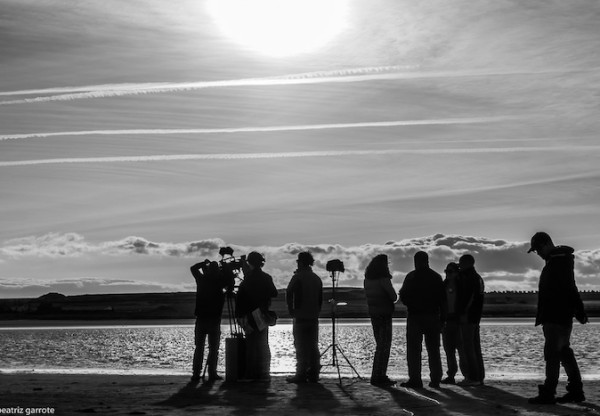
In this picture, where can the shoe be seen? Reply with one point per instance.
(195, 377)
(544, 396)
(384, 381)
(296, 379)
(214, 377)
(571, 397)
(448, 380)
(412, 384)
(434, 384)
(469, 383)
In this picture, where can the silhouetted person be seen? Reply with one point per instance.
(558, 303)
(451, 338)
(210, 282)
(425, 298)
(381, 297)
(255, 293)
(304, 297)
(470, 308)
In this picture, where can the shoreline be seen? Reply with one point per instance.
(160, 394)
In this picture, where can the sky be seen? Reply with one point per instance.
(138, 137)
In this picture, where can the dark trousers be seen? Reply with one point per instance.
(557, 351)
(452, 342)
(382, 331)
(429, 327)
(211, 328)
(472, 350)
(258, 355)
(306, 342)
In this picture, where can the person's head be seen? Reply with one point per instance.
(451, 269)
(378, 268)
(305, 259)
(421, 260)
(466, 261)
(255, 260)
(541, 244)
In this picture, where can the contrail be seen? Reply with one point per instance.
(278, 155)
(318, 77)
(133, 132)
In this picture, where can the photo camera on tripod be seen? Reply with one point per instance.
(335, 265)
(229, 261)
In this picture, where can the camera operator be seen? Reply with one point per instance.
(255, 292)
(210, 282)
(304, 297)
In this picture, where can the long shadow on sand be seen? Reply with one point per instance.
(314, 398)
(192, 394)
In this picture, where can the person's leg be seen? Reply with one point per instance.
(449, 342)
(567, 359)
(552, 353)
(377, 325)
(199, 339)
(264, 354)
(478, 354)
(414, 345)
(314, 355)
(468, 344)
(432, 343)
(214, 340)
(386, 344)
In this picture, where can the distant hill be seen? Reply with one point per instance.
(180, 305)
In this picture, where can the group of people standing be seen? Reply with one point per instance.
(447, 309)
(451, 307)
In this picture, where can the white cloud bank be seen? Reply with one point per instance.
(505, 265)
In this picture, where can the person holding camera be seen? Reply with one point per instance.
(304, 297)
(210, 282)
(424, 295)
(381, 298)
(252, 303)
(558, 302)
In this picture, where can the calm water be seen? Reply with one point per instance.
(511, 349)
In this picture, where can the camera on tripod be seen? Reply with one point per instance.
(230, 262)
(335, 265)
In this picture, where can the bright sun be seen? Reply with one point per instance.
(280, 27)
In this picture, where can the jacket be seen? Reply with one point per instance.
(304, 294)
(423, 293)
(254, 292)
(381, 296)
(471, 290)
(558, 298)
(209, 291)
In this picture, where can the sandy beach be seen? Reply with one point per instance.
(60, 394)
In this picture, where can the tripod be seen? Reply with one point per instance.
(334, 347)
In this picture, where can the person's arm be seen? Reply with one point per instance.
(290, 294)
(195, 269)
(389, 290)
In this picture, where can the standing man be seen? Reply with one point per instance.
(254, 296)
(470, 308)
(558, 303)
(210, 282)
(451, 338)
(424, 295)
(304, 297)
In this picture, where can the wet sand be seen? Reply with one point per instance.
(72, 394)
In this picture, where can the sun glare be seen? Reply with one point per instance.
(280, 27)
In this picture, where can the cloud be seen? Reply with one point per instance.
(27, 287)
(364, 74)
(279, 155)
(504, 265)
(265, 129)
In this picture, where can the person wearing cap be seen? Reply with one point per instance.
(451, 339)
(381, 297)
(425, 298)
(255, 293)
(304, 297)
(469, 306)
(558, 302)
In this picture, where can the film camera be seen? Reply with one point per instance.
(335, 265)
(229, 261)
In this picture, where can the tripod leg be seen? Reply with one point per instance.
(348, 362)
